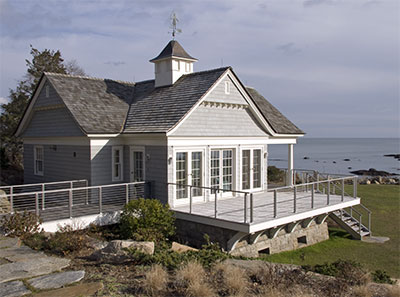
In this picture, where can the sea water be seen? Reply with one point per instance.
(339, 155)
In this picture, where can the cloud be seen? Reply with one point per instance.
(115, 63)
(309, 3)
(3, 100)
(289, 48)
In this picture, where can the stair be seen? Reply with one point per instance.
(350, 224)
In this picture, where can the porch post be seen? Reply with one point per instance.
(289, 180)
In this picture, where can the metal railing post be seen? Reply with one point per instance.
(307, 177)
(275, 203)
(369, 224)
(215, 203)
(86, 193)
(294, 199)
(328, 191)
(312, 195)
(317, 182)
(127, 193)
(70, 203)
(245, 208)
(251, 207)
(342, 190)
(43, 189)
(351, 211)
(190, 199)
(355, 187)
(360, 224)
(12, 199)
(37, 203)
(100, 200)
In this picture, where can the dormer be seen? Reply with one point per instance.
(171, 64)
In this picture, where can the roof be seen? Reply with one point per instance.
(173, 49)
(278, 122)
(104, 106)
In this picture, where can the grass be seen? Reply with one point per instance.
(384, 202)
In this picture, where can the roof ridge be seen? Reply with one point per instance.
(88, 77)
(210, 70)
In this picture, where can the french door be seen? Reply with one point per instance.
(221, 169)
(137, 164)
(189, 171)
(251, 169)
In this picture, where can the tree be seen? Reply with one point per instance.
(42, 61)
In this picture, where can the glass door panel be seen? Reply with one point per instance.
(246, 169)
(197, 173)
(181, 175)
(214, 170)
(256, 168)
(227, 169)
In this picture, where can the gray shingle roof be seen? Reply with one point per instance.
(98, 105)
(102, 106)
(279, 123)
(173, 49)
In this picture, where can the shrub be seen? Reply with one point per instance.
(21, 224)
(147, 219)
(66, 240)
(234, 279)
(155, 280)
(275, 174)
(36, 241)
(190, 278)
(381, 276)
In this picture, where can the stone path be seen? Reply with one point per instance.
(19, 262)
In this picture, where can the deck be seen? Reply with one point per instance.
(231, 214)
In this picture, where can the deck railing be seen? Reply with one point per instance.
(75, 202)
(216, 193)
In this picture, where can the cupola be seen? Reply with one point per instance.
(171, 64)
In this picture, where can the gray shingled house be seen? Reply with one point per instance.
(203, 129)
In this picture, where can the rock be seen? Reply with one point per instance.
(346, 160)
(367, 182)
(7, 242)
(87, 289)
(349, 168)
(34, 267)
(306, 158)
(392, 181)
(372, 172)
(334, 162)
(5, 205)
(181, 248)
(376, 182)
(396, 156)
(117, 246)
(95, 243)
(15, 250)
(13, 289)
(56, 280)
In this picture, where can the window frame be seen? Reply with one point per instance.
(35, 159)
(132, 165)
(121, 163)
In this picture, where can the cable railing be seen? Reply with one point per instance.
(214, 192)
(75, 202)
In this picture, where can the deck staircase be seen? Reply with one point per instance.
(350, 223)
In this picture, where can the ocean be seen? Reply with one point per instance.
(327, 155)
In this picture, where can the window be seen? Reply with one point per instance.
(181, 175)
(138, 168)
(251, 169)
(227, 87)
(176, 65)
(187, 65)
(189, 171)
(221, 169)
(38, 160)
(117, 157)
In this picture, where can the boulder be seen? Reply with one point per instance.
(367, 182)
(5, 205)
(181, 248)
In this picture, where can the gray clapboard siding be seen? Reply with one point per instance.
(218, 94)
(52, 122)
(101, 167)
(156, 171)
(53, 98)
(59, 164)
(220, 121)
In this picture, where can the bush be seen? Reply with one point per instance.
(147, 219)
(381, 276)
(21, 224)
(274, 174)
(36, 241)
(66, 240)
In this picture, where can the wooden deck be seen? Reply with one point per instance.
(230, 211)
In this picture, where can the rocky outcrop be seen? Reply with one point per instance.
(181, 248)
(372, 172)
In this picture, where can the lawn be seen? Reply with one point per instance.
(384, 202)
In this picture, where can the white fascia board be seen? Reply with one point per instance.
(83, 140)
(301, 216)
(195, 141)
(27, 115)
(253, 108)
(103, 135)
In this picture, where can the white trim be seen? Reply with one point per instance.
(120, 148)
(102, 135)
(227, 87)
(251, 148)
(132, 149)
(227, 140)
(35, 169)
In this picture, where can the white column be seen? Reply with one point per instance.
(290, 166)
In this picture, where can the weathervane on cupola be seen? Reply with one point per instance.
(174, 22)
(173, 61)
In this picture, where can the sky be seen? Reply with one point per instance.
(331, 66)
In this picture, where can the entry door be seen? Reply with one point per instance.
(137, 164)
(189, 171)
(251, 169)
(221, 170)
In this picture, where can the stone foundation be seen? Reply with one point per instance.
(251, 245)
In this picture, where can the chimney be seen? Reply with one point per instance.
(171, 64)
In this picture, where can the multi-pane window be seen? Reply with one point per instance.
(214, 170)
(256, 168)
(246, 169)
(221, 169)
(138, 166)
(197, 173)
(181, 175)
(227, 169)
(117, 156)
(251, 169)
(38, 160)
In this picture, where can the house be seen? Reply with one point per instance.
(198, 137)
